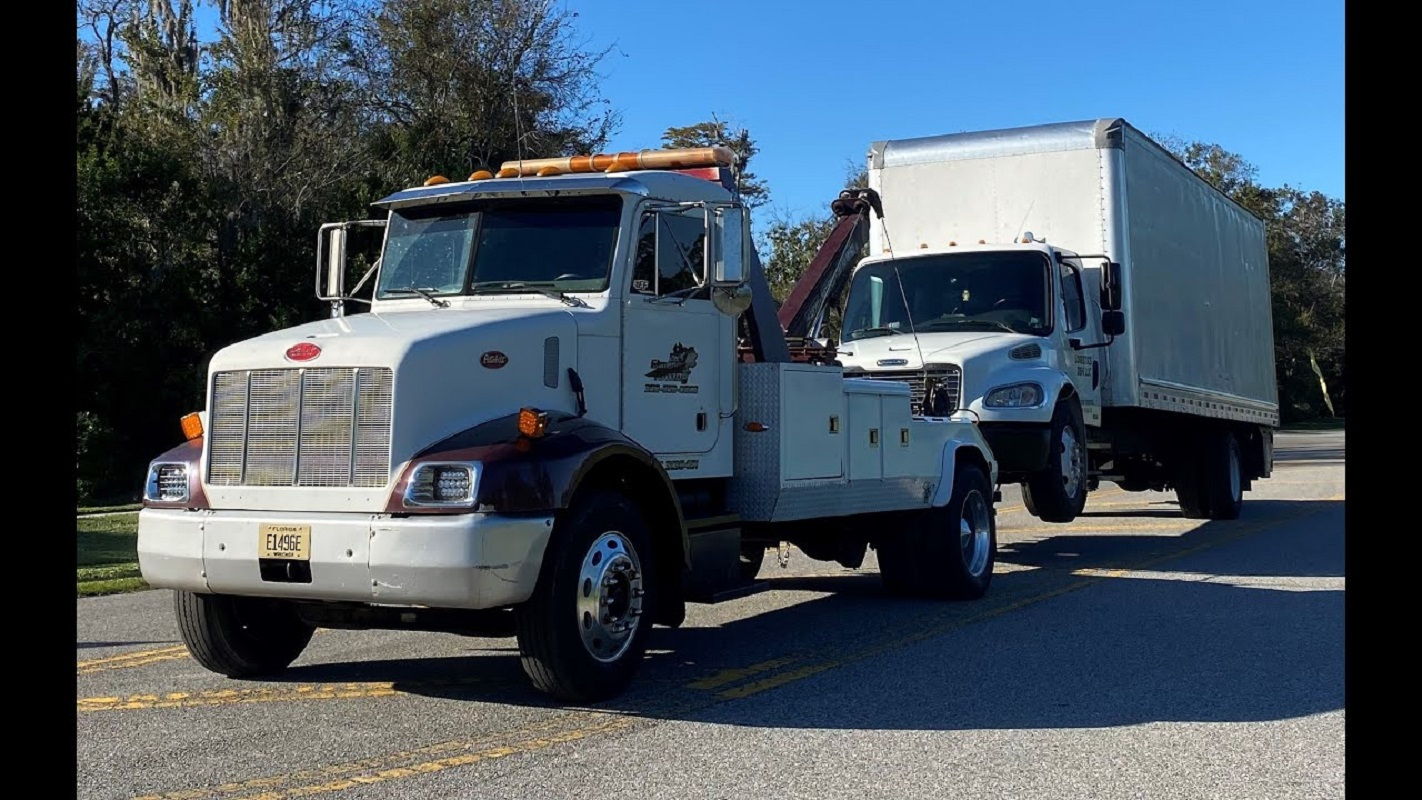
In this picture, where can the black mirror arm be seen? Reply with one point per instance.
(1077, 345)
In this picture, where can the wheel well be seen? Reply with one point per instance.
(967, 454)
(648, 490)
(1067, 392)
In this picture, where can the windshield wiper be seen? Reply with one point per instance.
(425, 293)
(877, 331)
(543, 289)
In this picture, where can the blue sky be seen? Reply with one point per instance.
(815, 82)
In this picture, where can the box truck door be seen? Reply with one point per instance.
(671, 345)
(1081, 321)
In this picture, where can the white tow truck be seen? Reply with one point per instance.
(545, 425)
(1099, 308)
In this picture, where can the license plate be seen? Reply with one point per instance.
(292, 542)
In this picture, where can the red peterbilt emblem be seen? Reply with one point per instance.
(303, 351)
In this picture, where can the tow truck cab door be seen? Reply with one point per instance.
(674, 341)
(1079, 311)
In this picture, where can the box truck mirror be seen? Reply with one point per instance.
(1111, 286)
(1113, 323)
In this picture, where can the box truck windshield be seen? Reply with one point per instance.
(503, 246)
(959, 291)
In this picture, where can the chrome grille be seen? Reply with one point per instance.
(327, 426)
(951, 375)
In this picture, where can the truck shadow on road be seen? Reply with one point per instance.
(1194, 640)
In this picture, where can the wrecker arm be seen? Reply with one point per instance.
(821, 284)
(824, 279)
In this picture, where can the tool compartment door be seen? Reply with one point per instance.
(813, 414)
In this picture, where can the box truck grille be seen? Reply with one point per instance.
(300, 427)
(951, 375)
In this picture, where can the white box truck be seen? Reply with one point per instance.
(1101, 309)
(543, 427)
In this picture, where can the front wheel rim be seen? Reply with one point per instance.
(1071, 463)
(975, 533)
(610, 594)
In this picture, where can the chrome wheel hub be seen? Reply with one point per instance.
(1073, 463)
(609, 596)
(975, 533)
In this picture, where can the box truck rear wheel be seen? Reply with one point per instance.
(1057, 492)
(946, 552)
(582, 634)
(1211, 484)
(240, 637)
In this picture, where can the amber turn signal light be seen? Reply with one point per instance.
(192, 425)
(532, 422)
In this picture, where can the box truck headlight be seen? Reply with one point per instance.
(167, 483)
(442, 484)
(1018, 395)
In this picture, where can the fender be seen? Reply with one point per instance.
(968, 436)
(520, 475)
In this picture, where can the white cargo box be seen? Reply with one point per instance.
(829, 446)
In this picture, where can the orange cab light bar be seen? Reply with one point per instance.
(685, 158)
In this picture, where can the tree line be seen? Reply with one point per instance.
(206, 166)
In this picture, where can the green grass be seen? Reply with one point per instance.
(108, 554)
(105, 509)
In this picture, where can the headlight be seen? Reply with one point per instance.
(446, 484)
(167, 483)
(1018, 395)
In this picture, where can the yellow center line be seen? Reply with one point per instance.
(726, 676)
(134, 659)
(225, 697)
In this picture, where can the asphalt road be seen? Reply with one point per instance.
(1132, 653)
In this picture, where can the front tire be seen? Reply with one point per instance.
(1211, 485)
(947, 552)
(582, 635)
(240, 637)
(1057, 493)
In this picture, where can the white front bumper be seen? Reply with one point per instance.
(441, 561)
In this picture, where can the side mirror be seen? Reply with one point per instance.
(729, 251)
(1113, 323)
(336, 263)
(1111, 286)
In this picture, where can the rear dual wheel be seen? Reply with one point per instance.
(1210, 484)
(947, 552)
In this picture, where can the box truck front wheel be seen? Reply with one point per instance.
(240, 637)
(946, 552)
(1057, 492)
(582, 634)
(1211, 480)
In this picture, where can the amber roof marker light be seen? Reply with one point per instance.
(683, 158)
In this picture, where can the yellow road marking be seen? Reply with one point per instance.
(726, 676)
(446, 755)
(226, 697)
(134, 659)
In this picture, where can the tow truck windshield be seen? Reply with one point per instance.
(951, 292)
(545, 246)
